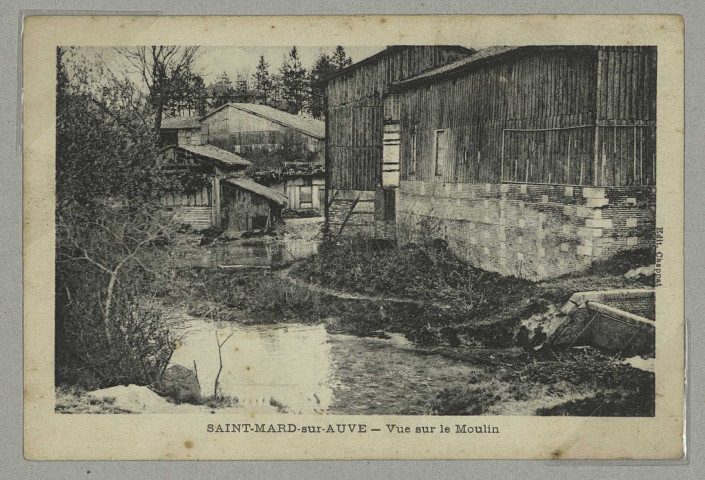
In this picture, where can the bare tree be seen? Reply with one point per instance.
(216, 384)
(109, 238)
(162, 68)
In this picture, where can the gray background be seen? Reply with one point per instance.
(12, 465)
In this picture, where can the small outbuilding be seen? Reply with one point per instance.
(200, 169)
(247, 205)
(180, 130)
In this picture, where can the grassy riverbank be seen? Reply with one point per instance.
(360, 287)
(444, 306)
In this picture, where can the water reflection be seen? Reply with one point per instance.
(297, 368)
(284, 368)
(255, 254)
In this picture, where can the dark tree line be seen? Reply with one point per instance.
(182, 91)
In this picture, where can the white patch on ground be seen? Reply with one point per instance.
(549, 321)
(640, 272)
(138, 399)
(133, 398)
(645, 364)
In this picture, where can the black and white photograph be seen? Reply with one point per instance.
(406, 229)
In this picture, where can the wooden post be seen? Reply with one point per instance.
(215, 207)
(597, 113)
(501, 171)
(634, 158)
(326, 164)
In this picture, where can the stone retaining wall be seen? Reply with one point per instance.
(531, 231)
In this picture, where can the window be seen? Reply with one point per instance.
(440, 150)
(306, 195)
(412, 154)
(259, 222)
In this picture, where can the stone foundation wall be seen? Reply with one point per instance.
(528, 230)
(362, 221)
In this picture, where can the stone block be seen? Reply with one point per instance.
(568, 191)
(568, 210)
(598, 223)
(566, 230)
(631, 222)
(488, 188)
(522, 223)
(590, 192)
(565, 247)
(542, 218)
(584, 212)
(631, 202)
(486, 203)
(544, 198)
(522, 188)
(597, 202)
(583, 250)
(589, 232)
(632, 241)
(504, 188)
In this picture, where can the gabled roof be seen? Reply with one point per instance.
(309, 126)
(215, 153)
(181, 122)
(387, 51)
(254, 187)
(481, 56)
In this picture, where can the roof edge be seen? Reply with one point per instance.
(257, 114)
(389, 49)
(463, 64)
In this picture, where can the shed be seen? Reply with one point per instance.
(246, 128)
(247, 205)
(200, 170)
(180, 130)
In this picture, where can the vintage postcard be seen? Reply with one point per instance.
(373, 237)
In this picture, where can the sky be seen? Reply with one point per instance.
(235, 60)
(211, 62)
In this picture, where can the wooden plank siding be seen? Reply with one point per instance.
(355, 112)
(531, 116)
(243, 210)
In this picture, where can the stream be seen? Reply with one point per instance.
(297, 368)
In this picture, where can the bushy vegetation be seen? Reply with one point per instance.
(428, 272)
(580, 382)
(108, 183)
